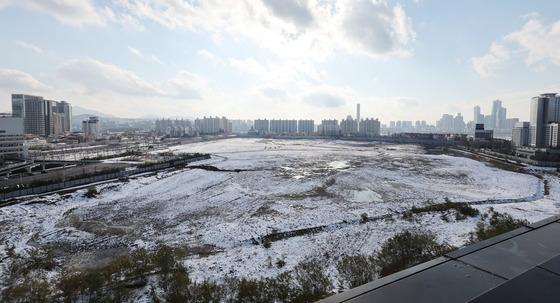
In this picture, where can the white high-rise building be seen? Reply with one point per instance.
(370, 127)
(358, 116)
(329, 127)
(306, 127)
(212, 126)
(262, 126)
(283, 126)
(348, 126)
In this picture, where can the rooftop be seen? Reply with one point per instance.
(519, 266)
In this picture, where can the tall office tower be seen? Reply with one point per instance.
(65, 110)
(496, 107)
(33, 110)
(358, 116)
(478, 118)
(545, 109)
(502, 117)
(458, 123)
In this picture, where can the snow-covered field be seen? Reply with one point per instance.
(280, 186)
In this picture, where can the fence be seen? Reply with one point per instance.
(97, 178)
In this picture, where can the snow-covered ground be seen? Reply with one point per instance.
(281, 185)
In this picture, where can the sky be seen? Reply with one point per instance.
(248, 59)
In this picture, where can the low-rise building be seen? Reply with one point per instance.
(12, 138)
(482, 134)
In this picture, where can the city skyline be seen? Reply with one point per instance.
(139, 59)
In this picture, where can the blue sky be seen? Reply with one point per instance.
(409, 60)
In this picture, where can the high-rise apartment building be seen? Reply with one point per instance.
(348, 126)
(262, 126)
(283, 126)
(370, 127)
(212, 126)
(358, 116)
(329, 127)
(306, 127)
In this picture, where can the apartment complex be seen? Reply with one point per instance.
(283, 126)
(212, 125)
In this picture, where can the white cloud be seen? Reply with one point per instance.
(296, 11)
(72, 12)
(29, 46)
(12, 80)
(185, 85)
(135, 52)
(156, 59)
(273, 93)
(375, 28)
(486, 65)
(537, 42)
(288, 27)
(324, 100)
(138, 53)
(540, 42)
(96, 77)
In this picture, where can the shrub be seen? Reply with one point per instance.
(313, 284)
(280, 263)
(463, 210)
(267, 243)
(91, 192)
(494, 223)
(364, 218)
(32, 290)
(356, 270)
(408, 249)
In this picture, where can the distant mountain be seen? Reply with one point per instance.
(81, 111)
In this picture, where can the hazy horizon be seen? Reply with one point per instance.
(402, 60)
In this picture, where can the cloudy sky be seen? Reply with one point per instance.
(407, 59)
